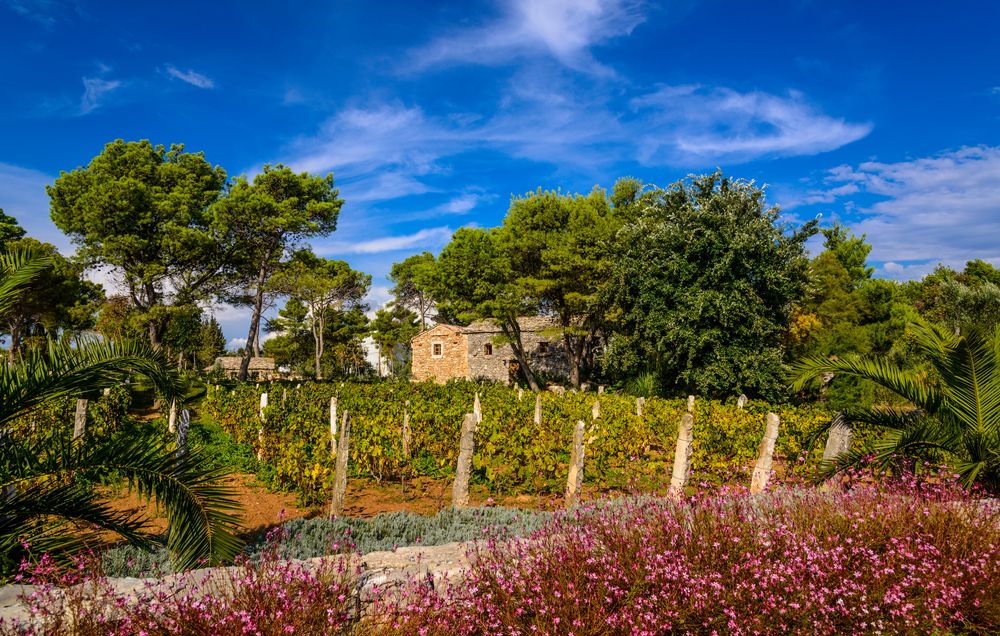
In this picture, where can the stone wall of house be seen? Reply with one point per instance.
(489, 366)
(553, 361)
(453, 361)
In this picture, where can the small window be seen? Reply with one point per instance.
(487, 349)
(437, 350)
(543, 347)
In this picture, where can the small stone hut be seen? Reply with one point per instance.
(260, 368)
(448, 352)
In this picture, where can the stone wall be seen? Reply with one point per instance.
(553, 362)
(493, 366)
(453, 361)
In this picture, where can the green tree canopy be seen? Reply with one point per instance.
(58, 301)
(413, 284)
(9, 230)
(704, 282)
(560, 250)
(142, 209)
(266, 219)
(392, 330)
(475, 279)
(323, 286)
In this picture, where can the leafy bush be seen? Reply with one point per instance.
(308, 538)
(513, 454)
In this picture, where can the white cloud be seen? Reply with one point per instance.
(191, 77)
(428, 238)
(23, 196)
(566, 30)
(95, 89)
(236, 343)
(695, 122)
(941, 208)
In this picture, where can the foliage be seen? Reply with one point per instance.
(413, 285)
(320, 536)
(512, 453)
(266, 219)
(704, 282)
(392, 330)
(906, 559)
(50, 501)
(265, 597)
(58, 302)
(143, 209)
(9, 230)
(955, 411)
(324, 287)
(475, 279)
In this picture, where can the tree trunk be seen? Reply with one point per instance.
(513, 333)
(317, 328)
(258, 308)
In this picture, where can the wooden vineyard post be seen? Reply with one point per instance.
(333, 426)
(340, 469)
(741, 401)
(260, 430)
(595, 410)
(520, 394)
(407, 434)
(682, 456)
(690, 407)
(466, 448)
(80, 419)
(538, 410)
(765, 456)
(640, 402)
(838, 442)
(477, 409)
(574, 482)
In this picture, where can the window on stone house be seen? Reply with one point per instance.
(437, 350)
(487, 349)
(543, 347)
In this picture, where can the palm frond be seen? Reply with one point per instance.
(55, 484)
(65, 371)
(880, 371)
(17, 269)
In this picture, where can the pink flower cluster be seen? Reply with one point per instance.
(270, 597)
(906, 559)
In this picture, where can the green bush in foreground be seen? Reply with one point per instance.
(308, 538)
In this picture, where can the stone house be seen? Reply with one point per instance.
(448, 352)
(260, 368)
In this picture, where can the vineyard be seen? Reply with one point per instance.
(513, 453)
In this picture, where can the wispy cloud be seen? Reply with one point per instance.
(692, 122)
(44, 12)
(389, 150)
(428, 238)
(191, 77)
(566, 30)
(943, 208)
(95, 90)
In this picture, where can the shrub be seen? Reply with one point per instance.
(904, 560)
(308, 538)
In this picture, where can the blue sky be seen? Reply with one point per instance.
(884, 115)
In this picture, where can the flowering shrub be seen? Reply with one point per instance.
(269, 597)
(904, 560)
(513, 454)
